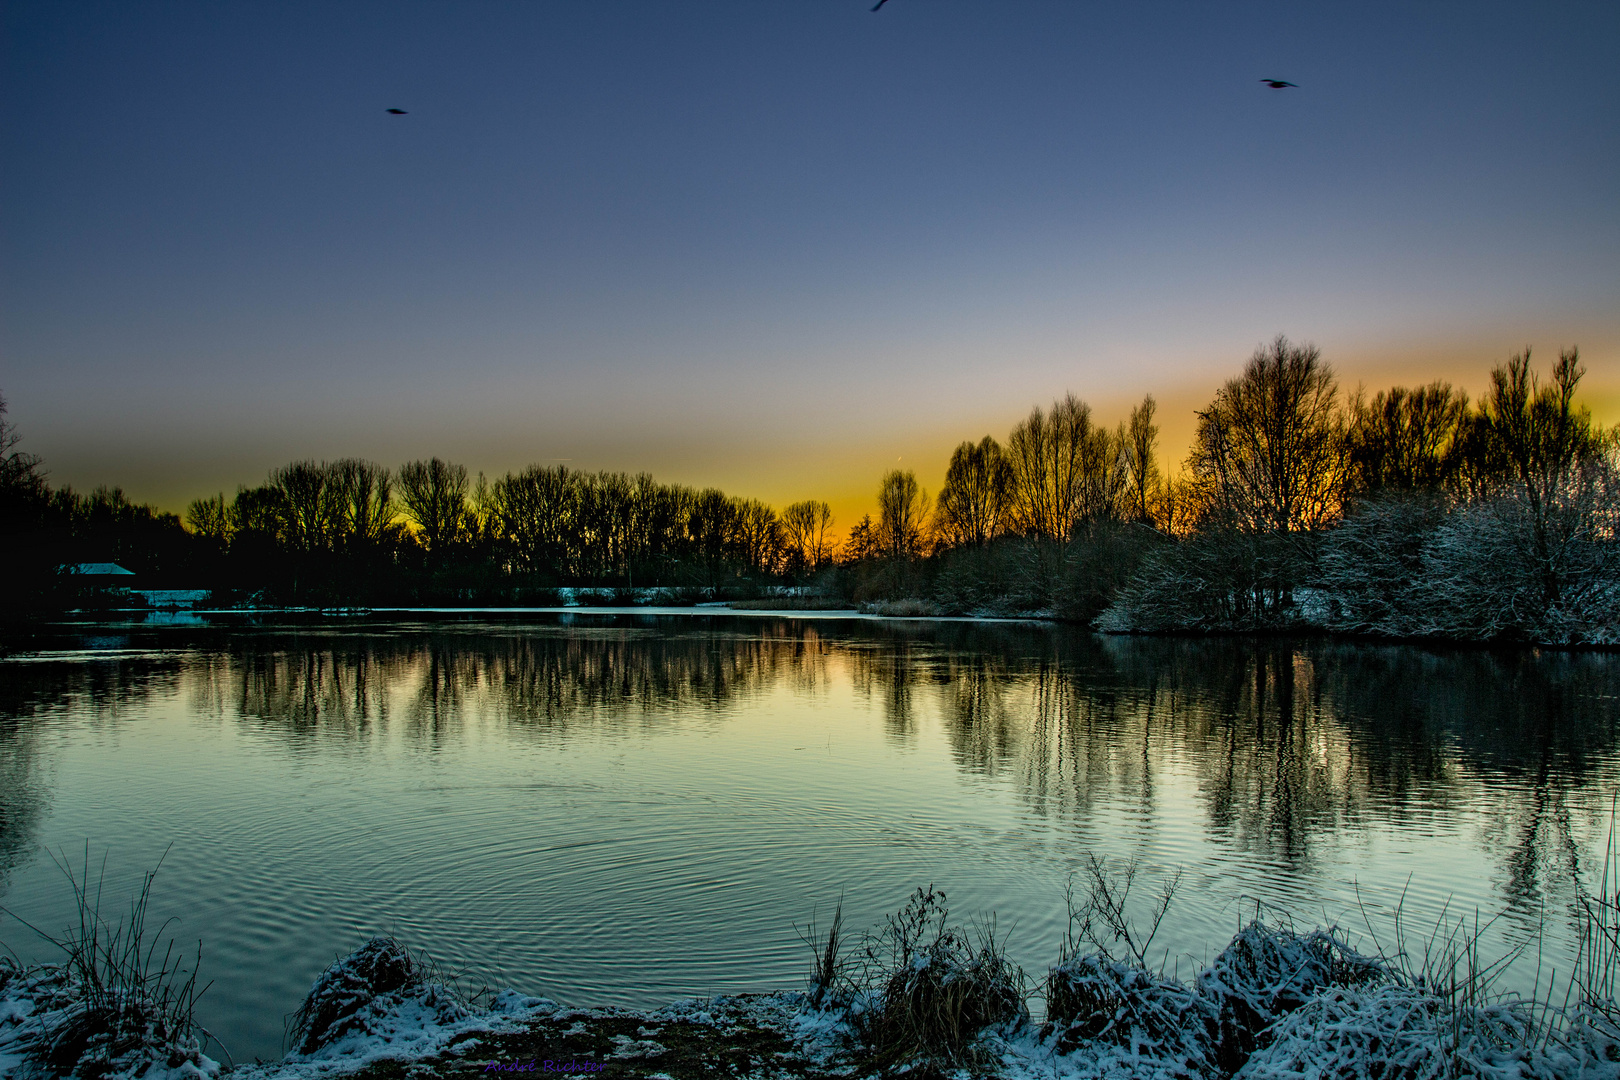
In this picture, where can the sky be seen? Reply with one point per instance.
(775, 246)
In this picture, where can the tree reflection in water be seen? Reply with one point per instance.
(1289, 741)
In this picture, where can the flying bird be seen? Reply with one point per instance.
(879, 4)
(1278, 84)
(397, 112)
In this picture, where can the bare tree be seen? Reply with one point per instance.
(1406, 440)
(533, 518)
(213, 519)
(1138, 443)
(434, 496)
(806, 526)
(759, 536)
(1065, 470)
(1044, 455)
(21, 479)
(363, 492)
(902, 515)
(308, 505)
(1268, 454)
(973, 505)
(1546, 523)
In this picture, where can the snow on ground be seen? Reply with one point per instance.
(1309, 1008)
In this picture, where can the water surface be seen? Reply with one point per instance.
(626, 808)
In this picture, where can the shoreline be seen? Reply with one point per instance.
(1274, 1004)
(185, 616)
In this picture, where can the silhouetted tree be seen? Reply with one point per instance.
(533, 515)
(1138, 444)
(1406, 440)
(863, 542)
(973, 505)
(433, 494)
(902, 515)
(363, 493)
(1044, 454)
(806, 526)
(1268, 455)
(213, 519)
(759, 536)
(22, 480)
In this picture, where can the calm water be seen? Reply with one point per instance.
(627, 808)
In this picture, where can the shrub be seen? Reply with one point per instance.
(1268, 972)
(1395, 1030)
(932, 988)
(346, 987)
(1093, 1000)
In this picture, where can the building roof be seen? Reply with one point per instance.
(98, 569)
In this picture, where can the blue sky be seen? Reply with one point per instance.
(779, 245)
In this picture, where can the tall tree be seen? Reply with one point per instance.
(806, 528)
(902, 515)
(1268, 453)
(1406, 440)
(1139, 443)
(213, 519)
(759, 536)
(533, 514)
(973, 504)
(1065, 470)
(1552, 458)
(363, 491)
(434, 496)
(308, 504)
(863, 542)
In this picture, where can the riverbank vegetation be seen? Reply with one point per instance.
(921, 996)
(1407, 512)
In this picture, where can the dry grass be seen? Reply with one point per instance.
(1597, 963)
(118, 1000)
(828, 974)
(931, 989)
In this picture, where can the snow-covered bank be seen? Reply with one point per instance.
(1274, 1005)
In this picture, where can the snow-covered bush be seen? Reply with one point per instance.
(1398, 1030)
(1268, 972)
(344, 989)
(1372, 563)
(52, 1026)
(1093, 1000)
(1507, 567)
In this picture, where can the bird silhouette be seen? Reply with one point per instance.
(1278, 84)
(397, 112)
(879, 4)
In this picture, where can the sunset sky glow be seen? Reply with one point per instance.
(776, 246)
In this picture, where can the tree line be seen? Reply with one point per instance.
(1412, 511)
(355, 531)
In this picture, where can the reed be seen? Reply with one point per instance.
(119, 996)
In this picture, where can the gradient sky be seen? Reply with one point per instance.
(777, 246)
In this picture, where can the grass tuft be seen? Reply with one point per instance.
(933, 988)
(828, 967)
(115, 1001)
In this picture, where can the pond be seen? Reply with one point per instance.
(628, 807)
